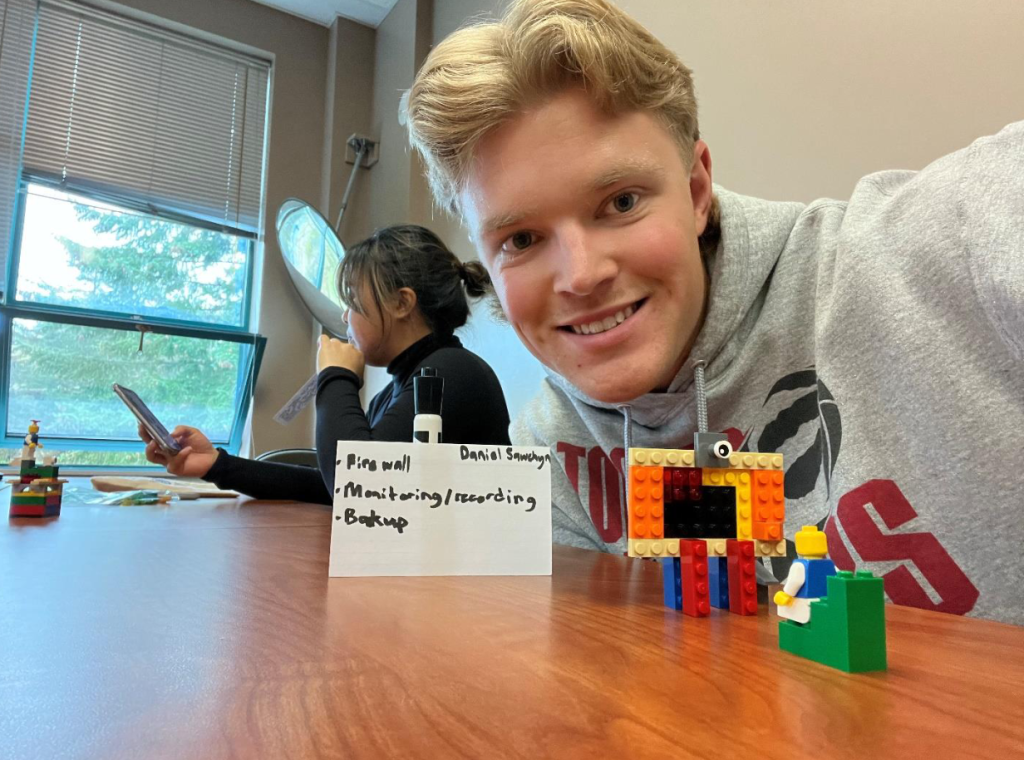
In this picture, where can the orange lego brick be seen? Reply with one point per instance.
(646, 505)
(768, 531)
(769, 497)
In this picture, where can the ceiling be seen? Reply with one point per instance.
(369, 12)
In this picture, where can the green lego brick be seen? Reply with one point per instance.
(28, 498)
(847, 628)
(40, 472)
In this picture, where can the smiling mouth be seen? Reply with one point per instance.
(606, 324)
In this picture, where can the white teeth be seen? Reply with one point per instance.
(592, 328)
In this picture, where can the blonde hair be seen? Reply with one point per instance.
(484, 74)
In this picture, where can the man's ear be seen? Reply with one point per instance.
(701, 190)
(405, 303)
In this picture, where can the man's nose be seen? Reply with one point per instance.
(584, 265)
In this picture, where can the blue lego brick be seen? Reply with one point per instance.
(718, 582)
(816, 571)
(672, 580)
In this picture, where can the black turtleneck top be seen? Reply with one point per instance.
(473, 411)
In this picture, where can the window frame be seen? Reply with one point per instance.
(12, 308)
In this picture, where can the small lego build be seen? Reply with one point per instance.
(847, 627)
(837, 619)
(37, 491)
(731, 504)
(806, 580)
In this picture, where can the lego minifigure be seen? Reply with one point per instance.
(28, 451)
(806, 580)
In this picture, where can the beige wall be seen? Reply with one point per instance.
(800, 99)
(402, 42)
(349, 111)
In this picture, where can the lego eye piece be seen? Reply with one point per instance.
(721, 449)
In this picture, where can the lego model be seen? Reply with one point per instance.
(835, 618)
(806, 580)
(707, 513)
(846, 628)
(37, 491)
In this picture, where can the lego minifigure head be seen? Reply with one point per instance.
(811, 542)
(33, 426)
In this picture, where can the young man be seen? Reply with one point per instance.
(877, 343)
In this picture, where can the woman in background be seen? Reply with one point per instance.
(407, 294)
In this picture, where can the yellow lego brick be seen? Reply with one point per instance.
(716, 547)
(661, 457)
(639, 547)
(744, 506)
(754, 460)
(646, 507)
(770, 548)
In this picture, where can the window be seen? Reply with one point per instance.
(134, 227)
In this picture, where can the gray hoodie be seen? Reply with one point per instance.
(878, 344)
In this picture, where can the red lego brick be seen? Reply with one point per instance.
(27, 510)
(742, 577)
(693, 556)
(683, 484)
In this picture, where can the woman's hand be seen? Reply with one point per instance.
(195, 459)
(335, 353)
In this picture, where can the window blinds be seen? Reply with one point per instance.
(145, 115)
(17, 21)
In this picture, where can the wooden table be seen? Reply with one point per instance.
(210, 630)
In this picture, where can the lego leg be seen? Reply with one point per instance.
(693, 566)
(672, 583)
(742, 577)
(718, 581)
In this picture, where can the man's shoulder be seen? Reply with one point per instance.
(541, 418)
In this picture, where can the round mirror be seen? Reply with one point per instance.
(312, 253)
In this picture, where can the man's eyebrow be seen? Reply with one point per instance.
(501, 221)
(627, 168)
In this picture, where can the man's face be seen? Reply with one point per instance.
(588, 225)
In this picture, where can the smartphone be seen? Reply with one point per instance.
(149, 421)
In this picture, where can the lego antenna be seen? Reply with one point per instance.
(702, 399)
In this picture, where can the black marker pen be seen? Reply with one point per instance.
(428, 394)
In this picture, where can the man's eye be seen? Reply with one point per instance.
(518, 241)
(624, 202)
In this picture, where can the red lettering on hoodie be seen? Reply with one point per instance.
(925, 551)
